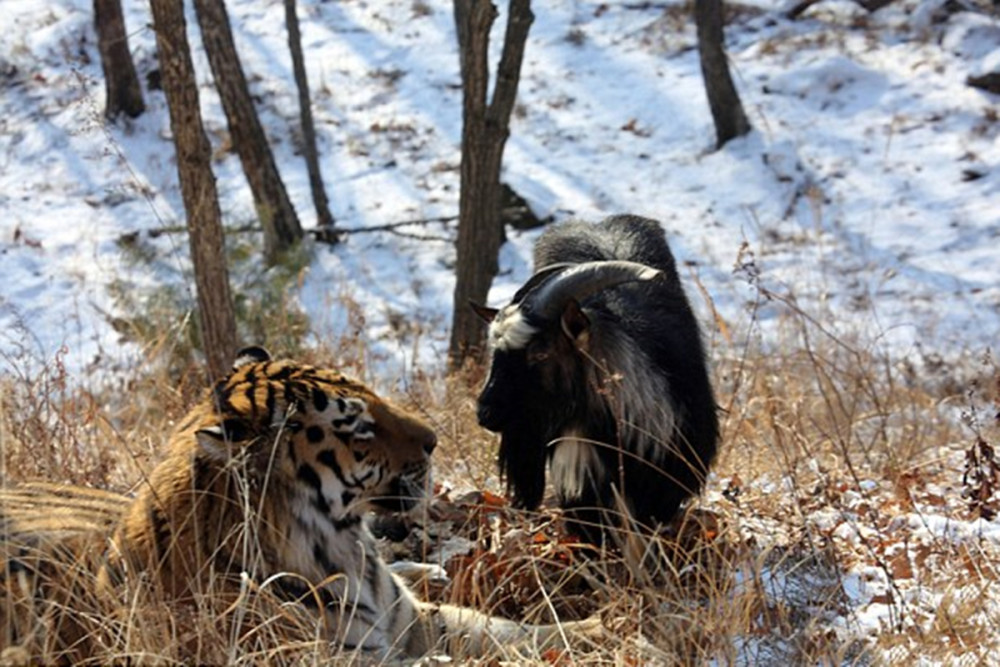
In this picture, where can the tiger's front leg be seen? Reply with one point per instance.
(465, 631)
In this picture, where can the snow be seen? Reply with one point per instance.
(868, 194)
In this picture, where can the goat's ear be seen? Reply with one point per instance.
(575, 323)
(485, 314)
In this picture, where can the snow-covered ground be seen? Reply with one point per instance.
(868, 194)
(869, 191)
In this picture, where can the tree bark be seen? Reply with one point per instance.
(204, 219)
(124, 94)
(324, 219)
(727, 110)
(274, 208)
(485, 128)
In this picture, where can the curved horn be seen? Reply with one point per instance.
(547, 301)
(538, 277)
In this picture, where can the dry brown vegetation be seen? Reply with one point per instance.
(838, 528)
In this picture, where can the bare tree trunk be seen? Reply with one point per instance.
(324, 219)
(274, 208)
(727, 110)
(124, 94)
(485, 128)
(194, 154)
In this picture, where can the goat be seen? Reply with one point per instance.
(598, 369)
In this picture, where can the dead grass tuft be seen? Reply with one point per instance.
(834, 528)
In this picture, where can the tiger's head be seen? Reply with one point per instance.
(328, 439)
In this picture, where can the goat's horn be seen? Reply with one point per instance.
(540, 276)
(547, 301)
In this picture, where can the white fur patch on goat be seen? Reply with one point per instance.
(573, 464)
(509, 330)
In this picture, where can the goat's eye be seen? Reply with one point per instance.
(537, 357)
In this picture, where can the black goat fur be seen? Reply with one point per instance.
(623, 371)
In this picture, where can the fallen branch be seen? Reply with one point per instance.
(800, 7)
(989, 82)
(796, 10)
(390, 226)
(643, 6)
(319, 232)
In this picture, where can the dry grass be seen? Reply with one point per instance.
(839, 465)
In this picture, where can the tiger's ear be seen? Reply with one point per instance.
(251, 355)
(485, 314)
(216, 441)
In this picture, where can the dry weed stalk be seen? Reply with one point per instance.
(833, 456)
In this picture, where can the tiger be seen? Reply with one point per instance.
(54, 511)
(265, 484)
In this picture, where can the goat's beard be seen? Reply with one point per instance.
(522, 460)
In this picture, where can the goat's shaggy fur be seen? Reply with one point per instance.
(608, 385)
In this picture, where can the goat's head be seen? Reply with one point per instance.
(537, 386)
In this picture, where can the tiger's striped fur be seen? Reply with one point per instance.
(57, 510)
(266, 481)
(51, 538)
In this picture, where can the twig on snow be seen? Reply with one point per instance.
(392, 227)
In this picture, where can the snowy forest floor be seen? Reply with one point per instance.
(842, 260)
